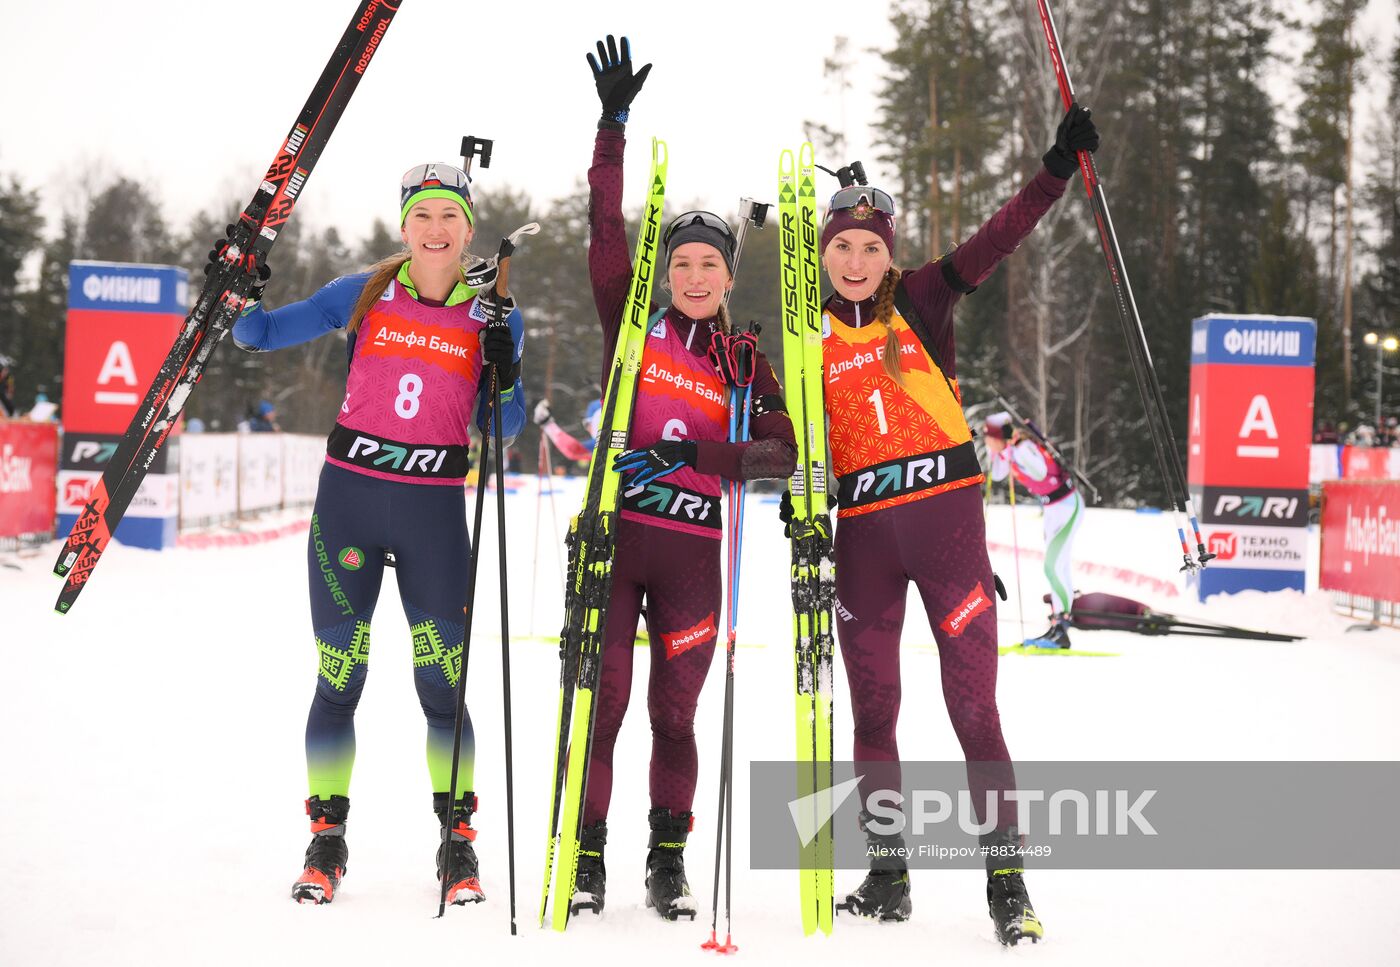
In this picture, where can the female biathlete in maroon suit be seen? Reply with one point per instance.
(893, 404)
(667, 550)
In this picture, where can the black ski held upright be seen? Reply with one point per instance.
(226, 291)
(1158, 422)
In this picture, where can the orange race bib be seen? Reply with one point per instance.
(891, 444)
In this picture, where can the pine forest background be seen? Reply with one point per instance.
(1223, 201)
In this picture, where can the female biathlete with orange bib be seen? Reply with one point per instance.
(893, 405)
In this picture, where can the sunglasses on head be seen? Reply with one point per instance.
(857, 195)
(707, 219)
(421, 177)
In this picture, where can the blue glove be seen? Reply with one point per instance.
(662, 458)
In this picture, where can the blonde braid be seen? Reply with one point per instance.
(884, 312)
(722, 317)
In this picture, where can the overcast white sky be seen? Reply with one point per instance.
(90, 86)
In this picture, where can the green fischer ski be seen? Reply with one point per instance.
(813, 567)
(592, 537)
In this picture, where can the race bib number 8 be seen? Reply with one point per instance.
(410, 388)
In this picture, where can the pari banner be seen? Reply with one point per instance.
(122, 320)
(1250, 448)
(1361, 539)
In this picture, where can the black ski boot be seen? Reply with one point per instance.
(1008, 903)
(326, 856)
(884, 893)
(590, 882)
(667, 889)
(456, 859)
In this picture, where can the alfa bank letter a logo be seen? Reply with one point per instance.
(1258, 432)
(119, 369)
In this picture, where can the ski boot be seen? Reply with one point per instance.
(1007, 901)
(326, 856)
(590, 882)
(667, 889)
(884, 893)
(1056, 636)
(456, 859)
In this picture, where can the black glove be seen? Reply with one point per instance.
(1075, 133)
(216, 255)
(662, 458)
(498, 350)
(616, 83)
(785, 512)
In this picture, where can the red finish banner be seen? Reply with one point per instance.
(1361, 539)
(1250, 426)
(28, 471)
(111, 359)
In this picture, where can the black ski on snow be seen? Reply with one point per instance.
(225, 293)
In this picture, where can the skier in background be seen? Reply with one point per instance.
(409, 392)
(907, 412)
(679, 430)
(580, 451)
(1036, 469)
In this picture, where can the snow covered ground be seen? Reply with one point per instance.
(151, 755)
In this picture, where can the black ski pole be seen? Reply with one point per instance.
(471, 147)
(468, 611)
(1163, 441)
(494, 414)
(502, 290)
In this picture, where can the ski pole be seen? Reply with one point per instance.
(468, 611)
(539, 500)
(741, 355)
(494, 414)
(502, 290)
(1016, 551)
(1163, 441)
(545, 472)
